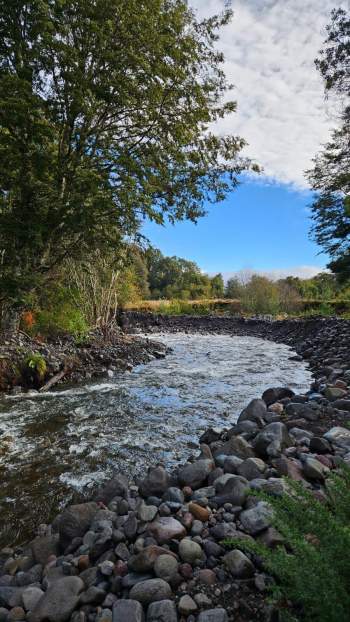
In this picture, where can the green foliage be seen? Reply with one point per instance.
(66, 319)
(95, 130)
(56, 312)
(260, 295)
(312, 570)
(330, 175)
(233, 288)
(176, 278)
(217, 286)
(36, 365)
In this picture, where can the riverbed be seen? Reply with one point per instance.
(57, 446)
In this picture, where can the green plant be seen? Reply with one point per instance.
(312, 569)
(36, 365)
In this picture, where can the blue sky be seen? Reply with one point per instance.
(269, 50)
(259, 227)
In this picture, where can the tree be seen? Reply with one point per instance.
(104, 113)
(174, 277)
(233, 288)
(217, 286)
(139, 268)
(260, 295)
(330, 176)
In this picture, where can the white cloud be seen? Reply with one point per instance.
(270, 48)
(303, 272)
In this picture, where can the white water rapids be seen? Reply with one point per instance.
(56, 444)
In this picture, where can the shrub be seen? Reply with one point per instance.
(62, 320)
(312, 570)
(34, 369)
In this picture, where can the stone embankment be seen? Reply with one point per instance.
(96, 356)
(153, 551)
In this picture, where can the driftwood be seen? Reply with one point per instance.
(56, 378)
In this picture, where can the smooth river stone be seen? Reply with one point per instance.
(167, 528)
(149, 591)
(59, 601)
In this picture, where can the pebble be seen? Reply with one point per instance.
(187, 605)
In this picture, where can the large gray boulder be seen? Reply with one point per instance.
(44, 546)
(155, 483)
(257, 518)
(310, 412)
(10, 596)
(239, 565)
(272, 440)
(255, 411)
(31, 597)
(166, 528)
(116, 487)
(75, 521)
(190, 551)
(342, 404)
(231, 489)
(314, 469)
(251, 468)
(270, 396)
(236, 446)
(339, 437)
(195, 474)
(59, 601)
(165, 567)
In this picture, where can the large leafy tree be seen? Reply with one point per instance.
(105, 115)
(174, 277)
(330, 176)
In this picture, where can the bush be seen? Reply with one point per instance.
(312, 570)
(34, 369)
(63, 320)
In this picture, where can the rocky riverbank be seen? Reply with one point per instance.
(67, 360)
(153, 549)
(323, 342)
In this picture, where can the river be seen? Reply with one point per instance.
(61, 444)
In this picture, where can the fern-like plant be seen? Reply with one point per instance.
(36, 364)
(312, 569)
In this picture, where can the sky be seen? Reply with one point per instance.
(269, 47)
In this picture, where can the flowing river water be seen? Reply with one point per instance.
(61, 444)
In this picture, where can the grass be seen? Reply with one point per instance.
(186, 307)
(220, 306)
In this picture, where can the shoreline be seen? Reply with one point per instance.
(68, 362)
(151, 548)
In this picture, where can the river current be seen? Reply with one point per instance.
(59, 445)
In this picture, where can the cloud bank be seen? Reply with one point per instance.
(270, 48)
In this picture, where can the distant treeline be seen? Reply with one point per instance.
(86, 294)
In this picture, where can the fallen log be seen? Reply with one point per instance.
(56, 378)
